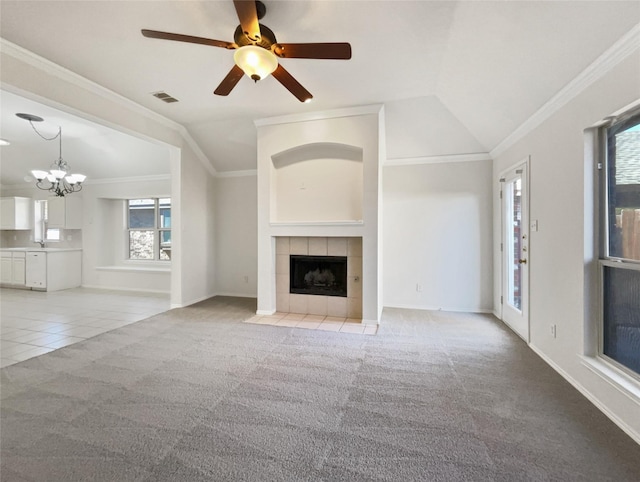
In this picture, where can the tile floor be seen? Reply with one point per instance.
(33, 322)
(315, 322)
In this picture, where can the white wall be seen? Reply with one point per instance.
(236, 235)
(438, 234)
(561, 200)
(318, 190)
(196, 231)
(104, 263)
(192, 185)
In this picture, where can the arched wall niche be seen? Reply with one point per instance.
(318, 182)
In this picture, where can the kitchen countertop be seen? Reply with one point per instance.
(42, 250)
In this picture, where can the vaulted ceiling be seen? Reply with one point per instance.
(456, 77)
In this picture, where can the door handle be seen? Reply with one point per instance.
(522, 261)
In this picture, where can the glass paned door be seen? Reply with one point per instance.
(515, 250)
(513, 190)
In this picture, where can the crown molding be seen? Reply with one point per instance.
(71, 77)
(246, 173)
(412, 161)
(320, 115)
(619, 51)
(120, 180)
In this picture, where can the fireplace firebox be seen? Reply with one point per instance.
(318, 275)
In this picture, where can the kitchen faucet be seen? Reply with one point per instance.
(41, 243)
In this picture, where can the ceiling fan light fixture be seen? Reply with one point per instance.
(256, 62)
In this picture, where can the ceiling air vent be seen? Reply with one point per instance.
(163, 96)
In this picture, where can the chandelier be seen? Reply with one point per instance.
(58, 179)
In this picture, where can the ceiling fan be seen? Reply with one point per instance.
(257, 50)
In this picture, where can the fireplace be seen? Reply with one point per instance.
(318, 275)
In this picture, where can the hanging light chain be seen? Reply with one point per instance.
(59, 134)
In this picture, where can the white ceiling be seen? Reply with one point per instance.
(455, 77)
(90, 149)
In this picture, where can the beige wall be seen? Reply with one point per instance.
(438, 236)
(236, 235)
(563, 270)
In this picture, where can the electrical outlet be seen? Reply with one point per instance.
(553, 331)
(246, 279)
(418, 287)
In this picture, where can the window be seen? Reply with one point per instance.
(41, 231)
(149, 229)
(620, 232)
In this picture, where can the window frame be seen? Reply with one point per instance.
(157, 230)
(610, 127)
(42, 233)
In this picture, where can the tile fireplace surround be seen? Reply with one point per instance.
(349, 307)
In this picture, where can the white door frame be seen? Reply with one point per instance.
(517, 320)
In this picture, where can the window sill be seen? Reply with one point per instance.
(136, 269)
(621, 381)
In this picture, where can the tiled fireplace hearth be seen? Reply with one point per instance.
(318, 304)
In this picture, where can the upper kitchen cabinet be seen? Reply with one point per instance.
(16, 213)
(64, 212)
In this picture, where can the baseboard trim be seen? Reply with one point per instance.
(212, 295)
(236, 295)
(589, 396)
(191, 302)
(120, 288)
(265, 312)
(370, 322)
(440, 308)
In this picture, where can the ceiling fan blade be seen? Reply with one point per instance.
(230, 81)
(248, 15)
(291, 84)
(187, 38)
(333, 50)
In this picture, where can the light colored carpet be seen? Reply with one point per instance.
(195, 395)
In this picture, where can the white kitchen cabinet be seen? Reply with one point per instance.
(64, 212)
(5, 268)
(12, 268)
(16, 213)
(54, 269)
(18, 269)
